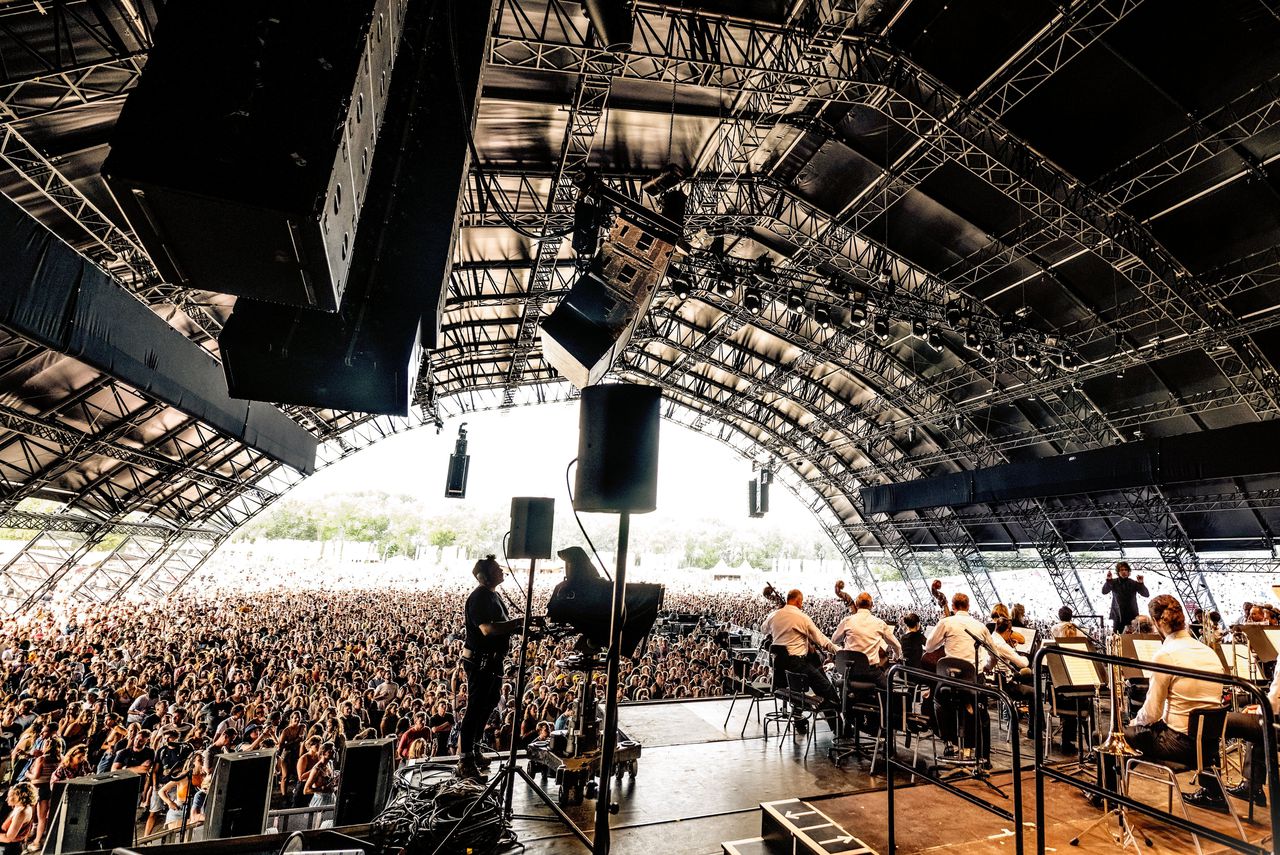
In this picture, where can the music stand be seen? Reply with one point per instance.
(1264, 640)
(1140, 647)
(1070, 673)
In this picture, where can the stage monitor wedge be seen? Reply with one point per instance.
(365, 783)
(242, 157)
(240, 794)
(95, 813)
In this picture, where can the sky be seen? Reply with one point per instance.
(524, 452)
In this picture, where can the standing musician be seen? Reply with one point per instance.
(793, 629)
(1160, 729)
(864, 632)
(1124, 595)
(488, 633)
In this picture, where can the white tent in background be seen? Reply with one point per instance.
(744, 569)
(722, 572)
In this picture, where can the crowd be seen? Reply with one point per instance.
(160, 688)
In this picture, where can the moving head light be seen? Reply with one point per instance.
(584, 601)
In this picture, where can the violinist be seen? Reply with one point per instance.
(1019, 684)
(791, 628)
(864, 632)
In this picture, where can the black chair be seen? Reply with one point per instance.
(949, 712)
(1206, 728)
(781, 714)
(744, 687)
(859, 699)
(812, 707)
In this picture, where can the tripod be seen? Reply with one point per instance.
(508, 771)
(1127, 827)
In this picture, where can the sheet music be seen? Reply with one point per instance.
(1145, 649)
(1081, 671)
(1028, 642)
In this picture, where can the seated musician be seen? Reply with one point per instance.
(1019, 682)
(912, 640)
(1160, 729)
(1248, 726)
(791, 628)
(1066, 626)
(1070, 706)
(864, 632)
(954, 636)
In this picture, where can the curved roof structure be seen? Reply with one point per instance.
(996, 232)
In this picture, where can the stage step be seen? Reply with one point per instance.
(754, 846)
(799, 827)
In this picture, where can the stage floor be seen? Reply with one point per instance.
(700, 785)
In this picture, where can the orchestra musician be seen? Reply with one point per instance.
(1247, 725)
(1020, 681)
(790, 627)
(1160, 729)
(1066, 626)
(912, 640)
(864, 632)
(1124, 595)
(954, 637)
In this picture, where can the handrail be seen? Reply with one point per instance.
(892, 762)
(1043, 771)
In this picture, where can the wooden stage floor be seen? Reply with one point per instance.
(700, 785)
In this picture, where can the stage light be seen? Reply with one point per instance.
(858, 316)
(795, 303)
(1035, 363)
(911, 435)
(1069, 361)
(971, 340)
(753, 301)
(727, 286)
(954, 316)
(613, 23)
(988, 351)
(1020, 349)
(932, 337)
(885, 278)
(822, 315)
(919, 328)
(880, 327)
(681, 284)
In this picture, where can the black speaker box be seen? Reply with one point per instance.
(618, 449)
(365, 782)
(532, 521)
(95, 812)
(242, 157)
(240, 794)
(455, 484)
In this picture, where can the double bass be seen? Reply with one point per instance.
(930, 661)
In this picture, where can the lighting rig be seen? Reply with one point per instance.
(872, 309)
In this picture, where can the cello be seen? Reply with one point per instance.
(930, 660)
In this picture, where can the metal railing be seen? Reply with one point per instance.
(288, 820)
(892, 763)
(1044, 771)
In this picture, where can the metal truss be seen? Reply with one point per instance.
(1077, 25)
(1255, 112)
(116, 572)
(42, 95)
(590, 99)
(174, 568)
(1151, 510)
(35, 568)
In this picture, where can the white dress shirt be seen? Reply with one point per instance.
(950, 634)
(1172, 699)
(795, 630)
(1006, 651)
(866, 633)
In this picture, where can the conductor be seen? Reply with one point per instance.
(1124, 595)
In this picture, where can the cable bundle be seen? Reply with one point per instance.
(425, 808)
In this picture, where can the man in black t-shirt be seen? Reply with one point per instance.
(488, 633)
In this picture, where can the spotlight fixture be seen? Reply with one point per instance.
(885, 279)
(795, 303)
(1020, 349)
(1035, 363)
(956, 315)
(858, 316)
(752, 301)
(919, 328)
(681, 285)
(880, 327)
(1069, 361)
(822, 315)
(932, 336)
(971, 340)
(727, 287)
(988, 351)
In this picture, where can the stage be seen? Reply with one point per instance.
(700, 786)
